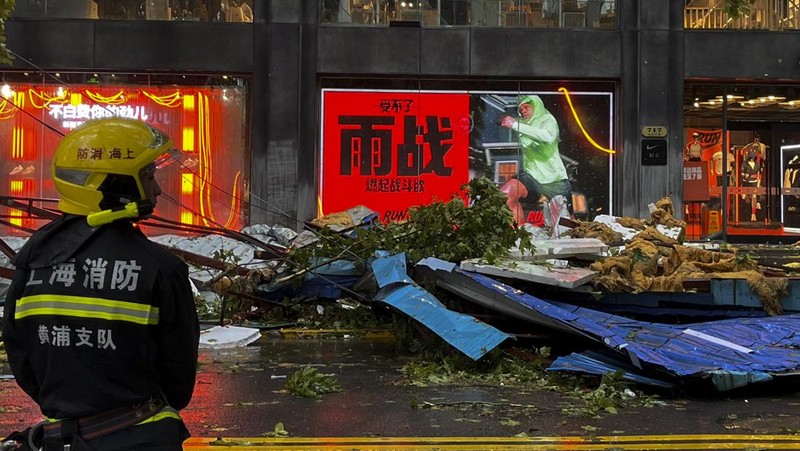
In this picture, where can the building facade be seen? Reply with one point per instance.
(289, 88)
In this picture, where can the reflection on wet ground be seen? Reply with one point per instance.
(240, 393)
(249, 383)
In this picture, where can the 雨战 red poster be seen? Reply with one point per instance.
(392, 150)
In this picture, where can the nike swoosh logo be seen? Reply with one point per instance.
(649, 147)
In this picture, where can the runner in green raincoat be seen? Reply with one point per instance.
(543, 171)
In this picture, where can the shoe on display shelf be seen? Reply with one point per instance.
(17, 170)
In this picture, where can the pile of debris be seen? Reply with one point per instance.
(468, 248)
(652, 258)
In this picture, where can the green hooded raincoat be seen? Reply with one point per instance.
(538, 137)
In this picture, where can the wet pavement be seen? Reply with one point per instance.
(239, 393)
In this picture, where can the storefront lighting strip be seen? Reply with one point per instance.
(235, 202)
(18, 143)
(187, 217)
(188, 139)
(187, 183)
(16, 189)
(578, 121)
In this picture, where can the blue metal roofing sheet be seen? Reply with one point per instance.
(594, 363)
(467, 334)
(742, 349)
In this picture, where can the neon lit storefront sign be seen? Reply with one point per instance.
(75, 115)
(33, 120)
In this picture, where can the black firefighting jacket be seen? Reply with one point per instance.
(99, 318)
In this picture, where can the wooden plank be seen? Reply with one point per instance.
(532, 272)
(564, 248)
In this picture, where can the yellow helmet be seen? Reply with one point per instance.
(98, 166)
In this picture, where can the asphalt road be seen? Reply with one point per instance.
(240, 393)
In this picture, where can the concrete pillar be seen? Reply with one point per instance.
(651, 95)
(284, 119)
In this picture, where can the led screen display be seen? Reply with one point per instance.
(391, 150)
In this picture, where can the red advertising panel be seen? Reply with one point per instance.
(710, 142)
(695, 181)
(392, 150)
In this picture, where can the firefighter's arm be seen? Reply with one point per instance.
(179, 337)
(15, 344)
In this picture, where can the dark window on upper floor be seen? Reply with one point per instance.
(478, 13)
(182, 10)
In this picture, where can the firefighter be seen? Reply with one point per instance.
(100, 325)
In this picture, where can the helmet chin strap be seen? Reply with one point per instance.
(132, 210)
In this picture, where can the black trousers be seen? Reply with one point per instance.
(550, 190)
(163, 435)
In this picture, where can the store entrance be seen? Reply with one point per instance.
(761, 197)
(741, 168)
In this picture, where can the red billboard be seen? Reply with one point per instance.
(389, 151)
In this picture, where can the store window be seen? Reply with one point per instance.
(757, 15)
(491, 13)
(740, 157)
(391, 149)
(185, 10)
(203, 116)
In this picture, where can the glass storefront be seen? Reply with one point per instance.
(488, 13)
(186, 10)
(741, 152)
(390, 149)
(205, 116)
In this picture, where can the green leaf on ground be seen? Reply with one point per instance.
(309, 383)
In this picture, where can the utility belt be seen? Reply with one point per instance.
(104, 423)
(69, 431)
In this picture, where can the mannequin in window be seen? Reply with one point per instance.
(751, 177)
(759, 148)
(717, 166)
(693, 149)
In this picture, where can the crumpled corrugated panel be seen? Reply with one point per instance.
(745, 349)
(469, 335)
